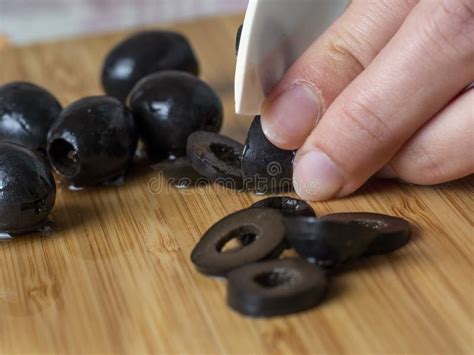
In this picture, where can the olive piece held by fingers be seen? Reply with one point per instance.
(93, 141)
(27, 112)
(168, 107)
(142, 54)
(267, 167)
(27, 190)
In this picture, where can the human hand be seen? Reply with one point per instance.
(380, 92)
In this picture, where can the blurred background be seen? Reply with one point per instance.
(26, 21)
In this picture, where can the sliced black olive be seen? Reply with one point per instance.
(392, 233)
(216, 157)
(268, 168)
(275, 288)
(142, 54)
(328, 243)
(93, 141)
(265, 225)
(27, 190)
(27, 112)
(288, 206)
(237, 39)
(169, 106)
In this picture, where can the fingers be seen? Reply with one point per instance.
(443, 150)
(327, 67)
(424, 66)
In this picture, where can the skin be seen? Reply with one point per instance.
(381, 92)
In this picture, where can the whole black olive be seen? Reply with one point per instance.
(142, 54)
(275, 288)
(93, 141)
(27, 190)
(168, 107)
(328, 243)
(287, 205)
(392, 233)
(27, 112)
(216, 157)
(265, 166)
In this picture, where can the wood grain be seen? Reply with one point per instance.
(115, 276)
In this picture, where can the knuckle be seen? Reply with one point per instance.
(366, 123)
(343, 49)
(450, 25)
(422, 168)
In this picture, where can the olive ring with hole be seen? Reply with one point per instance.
(264, 225)
(276, 287)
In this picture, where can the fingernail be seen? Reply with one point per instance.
(317, 177)
(292, 115)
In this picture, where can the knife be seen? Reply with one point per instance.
(274, 34)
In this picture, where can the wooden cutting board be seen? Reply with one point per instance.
(115, 275)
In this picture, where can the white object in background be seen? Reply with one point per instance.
(275, 34)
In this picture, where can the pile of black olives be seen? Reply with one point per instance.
(246, 248)
(154, 96)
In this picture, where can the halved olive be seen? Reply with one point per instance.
(216, 157)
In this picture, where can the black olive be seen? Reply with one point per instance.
(288, 206)
(328, 243)
(168, 107)
(93, 141)
(210, 255)
(392, 233)
(237, 39)
(27, 190)
(216, 157)
(27, 112)
(142, 54)
(265, 166)
(275, 288)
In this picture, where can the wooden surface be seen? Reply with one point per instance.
(115, 276)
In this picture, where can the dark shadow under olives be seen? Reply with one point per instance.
(27, 112)
(93, 141)
(142, 54)
(266, 167)
(27, 190)
(216, 157)
(168, 107)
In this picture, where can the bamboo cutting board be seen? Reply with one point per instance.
(115, 276)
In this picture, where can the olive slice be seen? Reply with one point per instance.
(328, 243)
(267, 168)
(276, 287)
(288, 206)
(264, 224)
(391, 232)
(216, 157)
